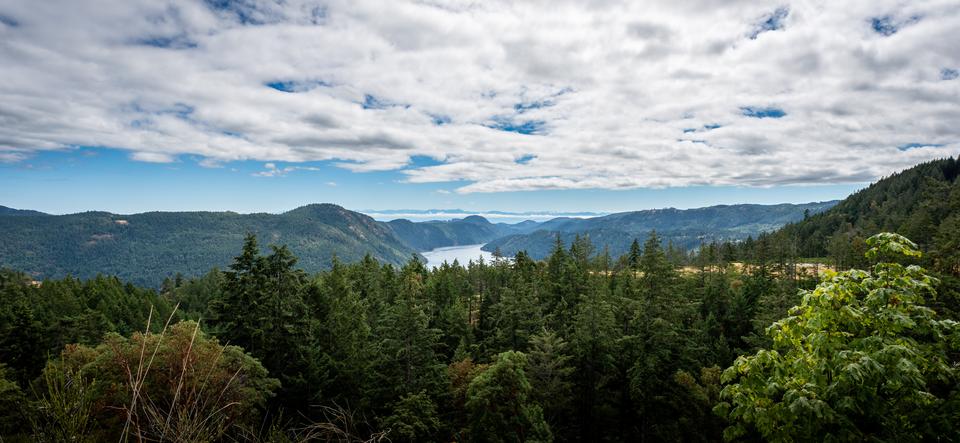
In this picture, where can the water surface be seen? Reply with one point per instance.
(463, 254)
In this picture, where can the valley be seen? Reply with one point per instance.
(149, 247)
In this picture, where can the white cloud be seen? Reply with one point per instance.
(12, 157)
(620, 93)
(152, 157)
(272, 170)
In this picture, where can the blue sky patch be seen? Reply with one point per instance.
(9, 21)
(910, 146)
(770, 22)
(528, 105)
(712, 126)
(318, 15)
(440, 120)
(887, 26)
(176, 42)
(525, 159)
(524, 107)
(244, 11)
(949, 74)
(758, 112)
(689, 130)
(528, 127)
(422, 161)
(884, 26)
(295, 86)
(180, 110)
(373, 102)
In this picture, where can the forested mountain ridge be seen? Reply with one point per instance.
(922, 203)
(686, 228)
(470, 230)
(145, 248)
(5, 211)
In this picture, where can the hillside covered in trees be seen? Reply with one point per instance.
(471, 230)
(922, 202)
(146, 248)
(686, 229)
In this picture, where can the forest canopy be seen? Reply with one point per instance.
(579, 346)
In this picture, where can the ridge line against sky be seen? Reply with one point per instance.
(421, 215)
(457, 99)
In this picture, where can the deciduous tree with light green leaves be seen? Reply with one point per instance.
(861, 358)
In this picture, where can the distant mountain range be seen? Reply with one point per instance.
(418, 215)
(921, 202)
(146, 248)
(424, 236)
(686, 228)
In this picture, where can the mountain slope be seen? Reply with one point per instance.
(685, 228)
(424, 236)
(5, 211)
(922, 203)
(145, 248)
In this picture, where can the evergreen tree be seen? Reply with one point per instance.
(594, 348)
(550, 371)
(500, 407)
(633, 257)
(347, 342)
(262, 310)
(408, 360)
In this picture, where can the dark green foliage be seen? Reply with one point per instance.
(922, 203)
(550, 371)
(38, 318)
(146, 248)
(413, 419)
(500, 407)
(685, 228)
(261, 309)
(408, 360)
(346, 340)
(193, 296)
(5, 211)
(613, 353)
(13, 405)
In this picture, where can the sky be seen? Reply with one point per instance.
(553, 106)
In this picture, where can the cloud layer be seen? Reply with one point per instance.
(501, 95)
